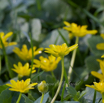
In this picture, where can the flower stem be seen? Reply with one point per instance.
(19, 98)
(62, 74)
(32, 54)
(72, 60)
(42, 98)
(11, 74)
(0, 64)
(102, 97)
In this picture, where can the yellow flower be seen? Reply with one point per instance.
(47, 64)
(23, 70)
(26, 54)
(97, 86)
(76, 30)
(4, 39)
(21, 86)
(102, 35)
(100, 46)
(98, 75)
(60, 50)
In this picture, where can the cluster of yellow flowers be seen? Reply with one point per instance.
(47, 64)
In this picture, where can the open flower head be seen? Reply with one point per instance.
(47, 64)
(100, 46)
(23, 70)
(75, 30)
(26, 54)
(97, 86)
(60, 50)
(4, 39)
(21, 86)
(98, 75)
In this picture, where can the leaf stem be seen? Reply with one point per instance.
(42, 98)
(18, 100)
(72, 59)
(62, 74)
(102, 97)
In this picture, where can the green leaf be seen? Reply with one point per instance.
(56, 9)
(27, 100)
(90, 95)
(92, 64)
(3, 87)
(6, 96)
(46, 96)
(34, 76)
(92, 42)
(52, 37)
(71, 91)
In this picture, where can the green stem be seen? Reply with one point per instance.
(63, 90)
(19, 98)
(42, 98)
(0, 64)
(54, 78)
(102, 97)
(11, 74)
(32, 55)
(62, 74)
(72, 60)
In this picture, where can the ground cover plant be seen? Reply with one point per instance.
(51, 51)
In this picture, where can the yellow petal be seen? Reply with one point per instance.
(7, 35)
(100, 46)
(66, 23)
(98, 75)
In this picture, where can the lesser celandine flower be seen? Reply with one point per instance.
(4, 39)
(26, 54)
(23, 70)
(98, 75)
(60, 50)
(21, 86)
(99, 87)
(47, 64)
(77, 30)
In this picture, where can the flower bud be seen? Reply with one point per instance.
(43, 87)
